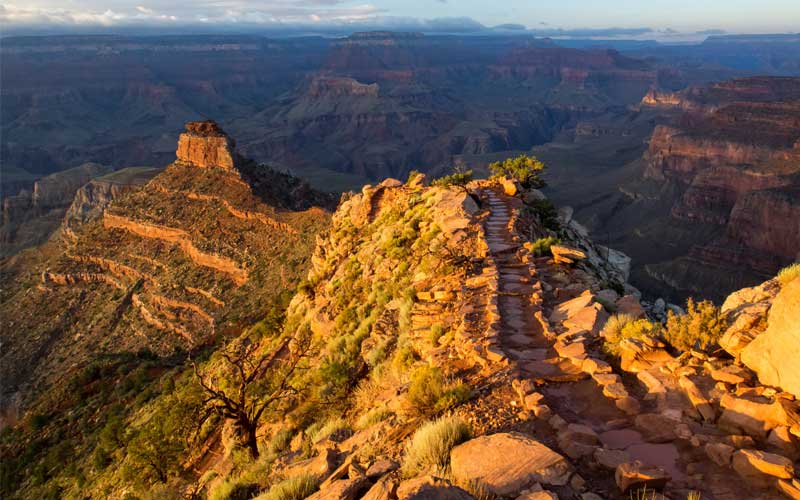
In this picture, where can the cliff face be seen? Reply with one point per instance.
(162, 262)
(30, 217)
(92, 199)
(732, 158)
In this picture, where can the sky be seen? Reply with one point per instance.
(609, 18)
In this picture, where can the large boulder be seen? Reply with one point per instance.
(635, 475)
(760, 467)
(773, 355)
(507, 463)
(431, 488)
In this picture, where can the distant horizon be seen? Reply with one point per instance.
(660, 20)
(645, 35)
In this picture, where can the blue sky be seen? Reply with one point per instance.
(661, 16)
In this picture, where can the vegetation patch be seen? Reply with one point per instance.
(430, 393)
(525, 169)
(430, 446)
(789, 273)
(620, 327)
(542, 246)
(700, 328)
(293, 488)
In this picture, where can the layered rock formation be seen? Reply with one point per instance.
(92, 199)
(30, 217)
(715, 208)
(205, 145)
(162, 262)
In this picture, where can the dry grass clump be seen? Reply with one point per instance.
(293, 488)
(700, 328)
(620, 327)
(430, 393)
(789, 273)
(373, 417)
(430, 446)
(333, 427)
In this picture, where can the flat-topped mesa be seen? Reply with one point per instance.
(206, 145)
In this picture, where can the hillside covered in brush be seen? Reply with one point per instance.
(451, 338)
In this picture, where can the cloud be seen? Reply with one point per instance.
(186, 12)
(711, 32)
(591, 32)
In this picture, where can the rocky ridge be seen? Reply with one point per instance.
(526, 331)
(160, 263)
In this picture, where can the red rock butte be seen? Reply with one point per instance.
(206, 145)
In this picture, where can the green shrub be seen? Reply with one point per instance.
(457, 179)
(789, 273)
(524, 169)
(700, 328)
(431, 444)
(430, 394)
(620, 327)
(293, 488)
(546, 212)
(436, 333)
(542, 246)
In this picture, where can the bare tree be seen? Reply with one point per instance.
(249, 383)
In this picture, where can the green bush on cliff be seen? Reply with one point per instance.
(621, 327)
(525, 169)
(546, 212)
(456, 179)
(542, 246)
(789, 273)
(700, 328)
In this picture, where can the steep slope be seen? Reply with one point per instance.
(203, 248)
(32, 215)
(732, 163)
(440, 347)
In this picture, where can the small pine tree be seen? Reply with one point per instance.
(525, 169)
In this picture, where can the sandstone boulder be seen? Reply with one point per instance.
(430, 488)
(720, 453)
(773, 355)
(656, 428)
(761, 467)
(538, 495)
(488, 460)
(577, 440)
(566, 255)
(384, 489)
(630, 305)
(635, 475)
(342, 489)
(753, 414)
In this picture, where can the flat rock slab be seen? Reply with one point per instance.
(507, 463)
(554, 370)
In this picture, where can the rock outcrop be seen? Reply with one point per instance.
(205, 145)
(773, 354)
(30, 217)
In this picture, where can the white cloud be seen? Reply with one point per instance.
(124, 12)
